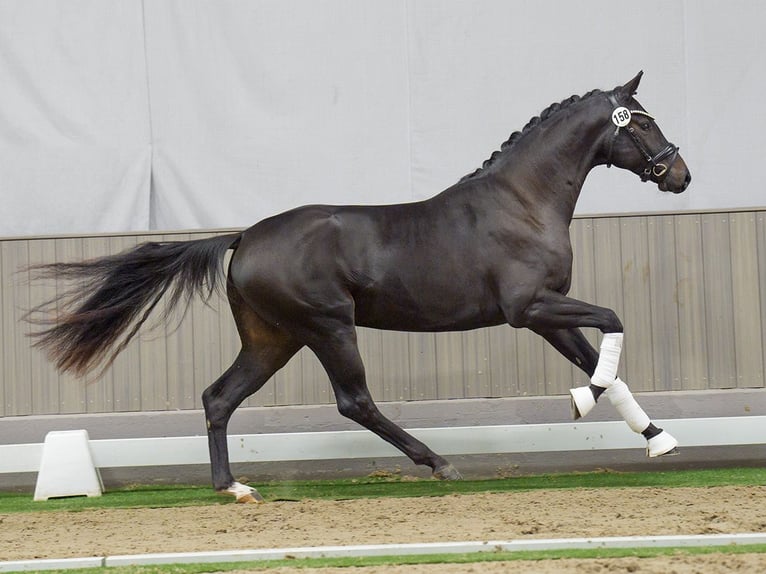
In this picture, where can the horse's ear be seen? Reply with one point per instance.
(632, 86)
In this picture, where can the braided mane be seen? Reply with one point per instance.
(533, 123)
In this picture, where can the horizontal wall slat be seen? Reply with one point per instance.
(689, 289)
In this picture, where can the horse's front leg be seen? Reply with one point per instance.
(575, 347)
(605, 379)
(558, 318)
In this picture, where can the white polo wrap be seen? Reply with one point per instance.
(608, 360)
(620, 396)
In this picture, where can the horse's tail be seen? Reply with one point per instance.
(93, 321)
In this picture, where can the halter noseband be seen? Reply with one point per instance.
(654, 163)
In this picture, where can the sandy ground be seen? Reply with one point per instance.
(712, 564)
(507, 516)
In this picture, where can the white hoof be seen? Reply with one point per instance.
(663, 443)
(582, 401)
(243, 493)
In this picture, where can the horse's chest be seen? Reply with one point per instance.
(546, 262)
(558, 268)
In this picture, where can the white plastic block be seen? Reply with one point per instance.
(66, 467)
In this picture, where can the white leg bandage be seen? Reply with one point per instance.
(608, 360)
(622, 399)
(604, 375)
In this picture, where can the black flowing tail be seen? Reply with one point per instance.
(92, 322)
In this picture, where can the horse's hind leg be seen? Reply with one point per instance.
(337, 350)
(264, 351)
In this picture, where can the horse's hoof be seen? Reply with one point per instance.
(582, 401)
(448, 472)
(243, 493)
(252, 498)
(662, 444)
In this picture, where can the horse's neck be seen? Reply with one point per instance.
(551, 163)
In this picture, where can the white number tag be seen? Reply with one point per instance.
(621, 117)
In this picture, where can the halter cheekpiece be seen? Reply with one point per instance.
(656, 164)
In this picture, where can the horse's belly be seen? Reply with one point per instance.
(420, 325)
(426, 312)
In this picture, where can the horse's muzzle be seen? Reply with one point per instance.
(664, 185)
(677, 179)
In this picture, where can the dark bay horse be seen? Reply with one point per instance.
(494, 248)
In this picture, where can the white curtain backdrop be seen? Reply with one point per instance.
(122, 115)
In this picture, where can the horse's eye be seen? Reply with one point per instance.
(646, 126)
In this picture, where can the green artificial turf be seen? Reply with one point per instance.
(392, 486)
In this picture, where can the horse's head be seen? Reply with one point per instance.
(635, 142)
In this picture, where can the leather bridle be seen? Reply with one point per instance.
(657, 165)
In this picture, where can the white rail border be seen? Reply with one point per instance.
(367, 550)
(330, 445)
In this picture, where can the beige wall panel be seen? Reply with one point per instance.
(126, 377)
(637, 314)
(476, 380)
(504, 361)
(691, 302)
(422, 373)
(152, 357)
(315, 379)
(449, 366)
(44, 378)
(287, 383)
(748, 339)
(607, 252)
(530, 350)
(99, 395)
(179, 346)
(15, 348)
(203, 318)
(373, 356)
(558, 371)
(7, 290)
(760, 228)
(665, 347)
(688, 287)
(719, 304)
(395, 367)
(583, 281)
